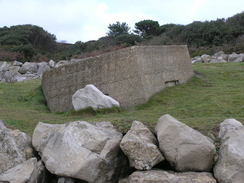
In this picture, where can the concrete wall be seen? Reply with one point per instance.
(131, 75)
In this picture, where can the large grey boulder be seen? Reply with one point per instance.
(90, 96)
(29, 67)
(15, 147)
(230, 165)
(140, 146)
(89, 152)
(206, 58)
(228, 125)
(11, 76)
(42, 67)
(217, 60)
(185, 148)
(235, 57)
(29, 171)
(219, 53)
(159, 176)
(4, 66)
(197, 59)
(14, 68)
(221, 56)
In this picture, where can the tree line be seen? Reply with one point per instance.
(225, 34)
(31, 40)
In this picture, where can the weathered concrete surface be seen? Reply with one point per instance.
(131, 75)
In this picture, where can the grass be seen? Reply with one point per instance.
(215, 93)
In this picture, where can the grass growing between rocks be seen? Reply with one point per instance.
(214, 94)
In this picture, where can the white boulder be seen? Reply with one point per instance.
(206, 58)
(4, 66)
(42, 67)
(80, 150)
(90, 96)
(227, 126)
(185, 148)
(29, 67)
(197, 59)
(230, 165)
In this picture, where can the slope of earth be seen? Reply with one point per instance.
(215, 93)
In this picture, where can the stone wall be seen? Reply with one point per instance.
(131, 75)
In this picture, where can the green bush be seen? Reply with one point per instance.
(128, 39)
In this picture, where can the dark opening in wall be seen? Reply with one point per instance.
(171, 83)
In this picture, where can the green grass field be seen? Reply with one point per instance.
(215, 93)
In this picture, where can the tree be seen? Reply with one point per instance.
(27, 34)
(118, 29)
(147, 28)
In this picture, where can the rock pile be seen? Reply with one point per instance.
(95, 153)
(219, 57)
(17, 71)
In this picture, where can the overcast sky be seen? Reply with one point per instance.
(84, 20)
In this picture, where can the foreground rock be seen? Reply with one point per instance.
(80, 150)
(185, 148)
(15, 148)
(230, 165)
(139, 144)
(90, 96)
(157, 176)
(30, 171)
